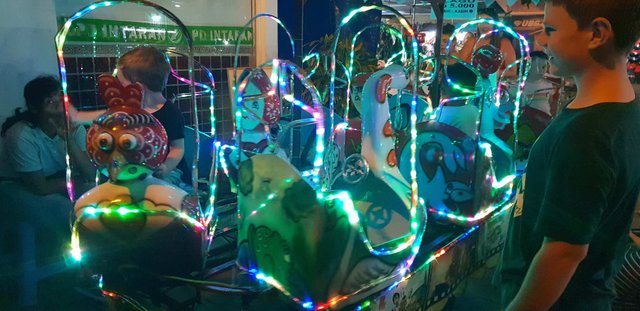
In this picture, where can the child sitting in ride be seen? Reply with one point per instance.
(455, 109)
(130, 219)
(458, 110)
(147, 66)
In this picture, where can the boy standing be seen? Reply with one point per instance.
(583, 174)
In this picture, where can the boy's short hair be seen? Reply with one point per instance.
(624, 16)
(539, 54)
(147, 65)
(448, 29)
(489, 12)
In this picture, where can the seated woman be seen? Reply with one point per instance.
(32, 161)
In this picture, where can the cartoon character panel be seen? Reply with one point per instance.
(467, 168)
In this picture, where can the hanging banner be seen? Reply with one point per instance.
(510, 3)
(488, 3)
(527, 24)
(459, 9)
(112, 31)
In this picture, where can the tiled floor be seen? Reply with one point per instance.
(479, 294)
(475, 294)
(69, 291)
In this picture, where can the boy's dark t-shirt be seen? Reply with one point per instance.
(171, 118)
(581, 187)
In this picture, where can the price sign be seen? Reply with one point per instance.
(459, 9)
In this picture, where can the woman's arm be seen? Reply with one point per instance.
(24, 157)
(81, 161)
(76, 147)
(40, 185)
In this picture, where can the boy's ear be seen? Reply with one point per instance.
(602, 33)
(144, 87)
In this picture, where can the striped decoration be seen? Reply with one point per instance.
(627, 282)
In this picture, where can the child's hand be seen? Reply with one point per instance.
(161, 172)
(73, 114)
(60, 125)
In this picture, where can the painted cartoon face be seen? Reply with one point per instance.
(446, 159)
(445, 167)
(261, 101)
(126, 141)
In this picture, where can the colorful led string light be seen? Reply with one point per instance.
(223, 162)
(349, 209)
(271, 197)
(523, 47)
(237, 100)
(354, 220)
(483, 36)
(60, 39)
(485, 148)
(472, 93)
(505, 203)
(122, 209)
(309, 57)
(208, 89)
(125, 209)
(413, 120)
(394, 32)
(245, 28)
(437, 254)
(414, 239)
(284, 68)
